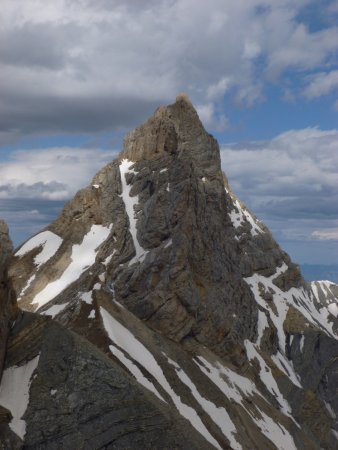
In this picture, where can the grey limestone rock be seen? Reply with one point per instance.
(185, 325)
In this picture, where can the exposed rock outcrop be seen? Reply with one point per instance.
(79, 398)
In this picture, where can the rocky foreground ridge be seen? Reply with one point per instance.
(158, 313)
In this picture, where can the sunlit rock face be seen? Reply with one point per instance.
(159, 312)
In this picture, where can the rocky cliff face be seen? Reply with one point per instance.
(166, 316)
(8, 314)
(8, 307)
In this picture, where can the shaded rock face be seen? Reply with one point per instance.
(8, 313)
(8, 308)
(180, 321)
(79, 398)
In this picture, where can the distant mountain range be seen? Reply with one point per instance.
(316, 272)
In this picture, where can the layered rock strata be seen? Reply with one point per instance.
(160, 285)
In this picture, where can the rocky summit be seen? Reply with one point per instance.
(157, 312)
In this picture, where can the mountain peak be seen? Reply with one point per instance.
(171, 130)
(183, 97)
(186, 307)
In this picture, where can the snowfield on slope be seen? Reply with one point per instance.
(123, 338)
(325, 289)
(130, 204)
(50, 243)
(14, 393)
(83, 256)
(282, 300)
(239, 216)
(238, 388)
(218, 415)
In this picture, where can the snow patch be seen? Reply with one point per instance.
(232, 385)
(14, 393)
(54, 310)
(108, 259)
(102, 277)
(29, 282)
(87, 297)
(219, 415)
(83, 256)
(286, 366)
(92, 314)
(123, 338)
(322, 291)
(134, 370)
(237, 388)
(299, 298)
(267, 377)
(168, 243)
(262, 323)
(330, 410)
(315, 290)
(275, 432)
(50, 243)
(333, 308)
(239, 216)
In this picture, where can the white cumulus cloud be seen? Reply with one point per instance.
(326, 235)
(51, 174)
(291, 181)
(321, 84)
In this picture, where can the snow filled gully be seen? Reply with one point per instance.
(82, 257)
(218, 415)
(49, 243)
(237, 388)
(133, 349)
(282, 300)
(130, 204)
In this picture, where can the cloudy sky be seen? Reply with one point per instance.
(76, 75)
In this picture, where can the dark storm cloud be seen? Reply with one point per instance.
(81, 65)
(36, 44)
(45, 114)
